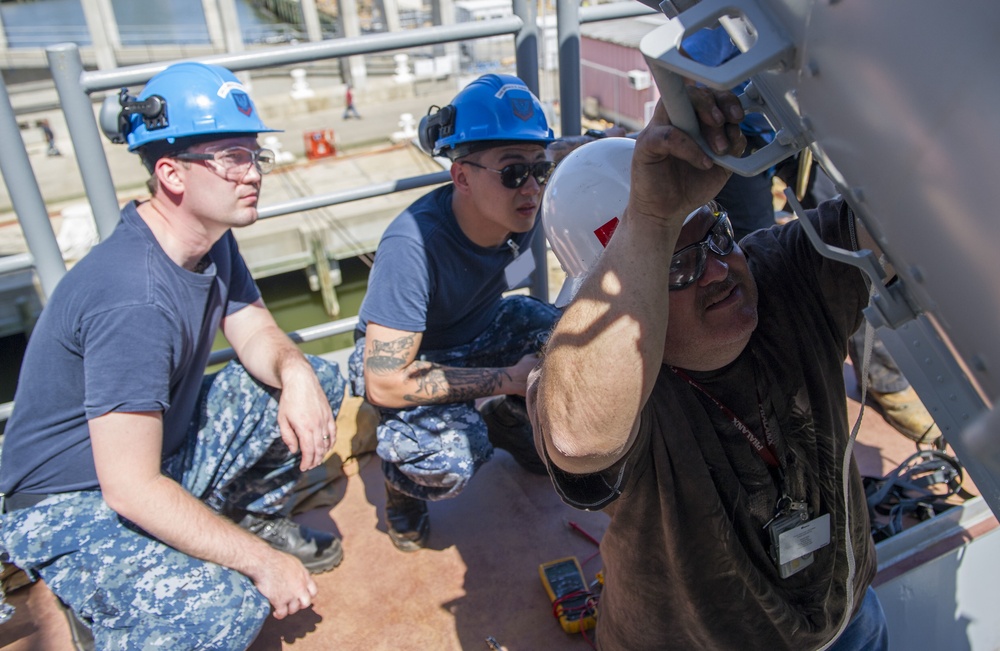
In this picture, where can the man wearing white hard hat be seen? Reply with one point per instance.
(693, 389)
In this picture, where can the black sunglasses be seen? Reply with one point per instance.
(515, 175)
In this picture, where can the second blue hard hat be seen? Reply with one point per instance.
(491, 108)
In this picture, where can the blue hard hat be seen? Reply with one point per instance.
(491, 108)
(189, 100)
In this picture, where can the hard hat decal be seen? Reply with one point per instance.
(523, 107)
(506, 88)
(606, 230)
(243, 104)
(229, 86)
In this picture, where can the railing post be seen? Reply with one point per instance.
(67, 67)
(526, 44)
(26, 198)
(526, 50)
(568, 35)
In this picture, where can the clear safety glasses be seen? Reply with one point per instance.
(233, 163)
(688, 264)
(515, 175)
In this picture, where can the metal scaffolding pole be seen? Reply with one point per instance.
(27, 199)
(67, 70)
(568, 36)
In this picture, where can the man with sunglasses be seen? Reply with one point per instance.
(694, 390)
(148, 496)
(435, 332)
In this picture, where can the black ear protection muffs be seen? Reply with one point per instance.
(435, 125)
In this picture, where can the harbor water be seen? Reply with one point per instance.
(295, 306)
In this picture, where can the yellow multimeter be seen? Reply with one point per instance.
(572, 600)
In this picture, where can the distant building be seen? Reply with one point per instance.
(615, 81)
(485, 54)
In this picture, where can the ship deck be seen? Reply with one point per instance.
(478, 578)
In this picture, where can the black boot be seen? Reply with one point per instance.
(406, 520)
(508, 428)
(319, 551)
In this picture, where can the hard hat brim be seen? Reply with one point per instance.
(569, 289)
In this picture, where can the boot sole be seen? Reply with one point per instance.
(326, 563)
(406, 545)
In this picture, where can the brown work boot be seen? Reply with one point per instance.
(406, 520)
(904, 411)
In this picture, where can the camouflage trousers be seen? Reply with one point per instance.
(432, 451)
(135, 591)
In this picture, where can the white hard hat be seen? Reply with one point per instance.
(583, 202)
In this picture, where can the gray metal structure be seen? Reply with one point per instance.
(903, 130)
(894, 100)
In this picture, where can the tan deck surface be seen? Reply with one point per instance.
(478, 578)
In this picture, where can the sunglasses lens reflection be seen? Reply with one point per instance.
(516, 175)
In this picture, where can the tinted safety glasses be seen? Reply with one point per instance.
(515, 175)
(688, 264)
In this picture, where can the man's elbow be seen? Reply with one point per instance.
(576, 450)
(123, 500)
(381, 393)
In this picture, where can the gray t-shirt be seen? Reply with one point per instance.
(126, 330)
(686, 553)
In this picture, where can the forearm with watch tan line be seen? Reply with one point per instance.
(606, 350)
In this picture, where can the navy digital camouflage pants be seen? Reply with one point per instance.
(432, 451)
(138, 593)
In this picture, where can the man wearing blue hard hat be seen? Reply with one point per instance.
(435, 333)
(146, 495)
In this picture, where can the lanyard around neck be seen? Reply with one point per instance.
(766, 448)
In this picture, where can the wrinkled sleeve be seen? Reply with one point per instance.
(127, 373)
(595, 491)
(399, 286)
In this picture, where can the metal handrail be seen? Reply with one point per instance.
(304, 335)
(74, 85)
(347, 196)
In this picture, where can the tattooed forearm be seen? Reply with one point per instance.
(427, 383)
(437, 385)
(387, 357)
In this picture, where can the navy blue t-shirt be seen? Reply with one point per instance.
(126, 330)
(429, 277)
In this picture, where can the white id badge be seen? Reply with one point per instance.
(804, 539)
(519, 270)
